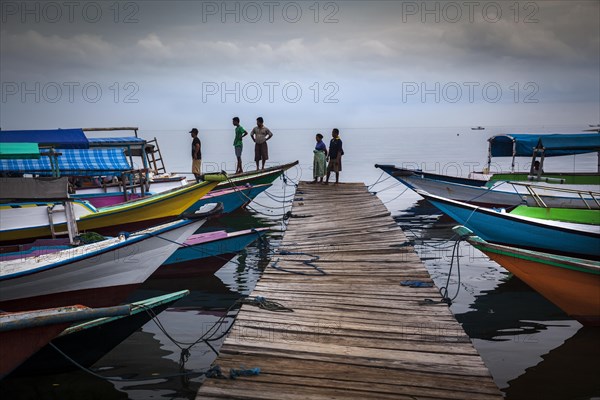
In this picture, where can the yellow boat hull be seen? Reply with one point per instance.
(133, 215)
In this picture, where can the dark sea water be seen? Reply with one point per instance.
(532, 349)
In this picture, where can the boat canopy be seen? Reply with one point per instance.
(71, 162)
(35, 188)
(523, 145)
(19, 150)
(59, 138)
(545, 145)
(116, 142)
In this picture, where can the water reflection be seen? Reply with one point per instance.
(500, 313)
(569, 371)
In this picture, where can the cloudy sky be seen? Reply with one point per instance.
(364, 64)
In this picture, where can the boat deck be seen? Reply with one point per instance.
(354, 333)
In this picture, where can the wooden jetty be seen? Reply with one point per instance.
(354, 333)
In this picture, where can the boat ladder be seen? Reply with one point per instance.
(70, 218)
(156, 161)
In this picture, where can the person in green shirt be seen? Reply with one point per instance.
(240, 132)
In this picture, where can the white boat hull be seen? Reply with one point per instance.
(109, 265)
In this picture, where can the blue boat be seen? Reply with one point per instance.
(232, 198)
(577, 240)
(205, 253)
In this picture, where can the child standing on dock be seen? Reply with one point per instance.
(335, 156)
(319, 159)
(240, 132)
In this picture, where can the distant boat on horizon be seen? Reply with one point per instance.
(478, 128)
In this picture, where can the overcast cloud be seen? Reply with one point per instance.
(165, 64)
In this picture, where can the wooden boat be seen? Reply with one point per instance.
(503, 194)
(204, 253)
(473, 188)
(22, 334)
(577, 240)
(573, 284)
(89, 341)
(31, 220)
(97, 274)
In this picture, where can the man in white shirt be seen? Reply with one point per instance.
(260, 134)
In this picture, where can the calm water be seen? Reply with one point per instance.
(532, 349)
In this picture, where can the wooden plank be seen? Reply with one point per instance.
(355, 332)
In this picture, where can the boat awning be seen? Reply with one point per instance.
(34, 188)
(116, 142)
(72, 162)
(19, 150)
(59, 138)
(522, 145)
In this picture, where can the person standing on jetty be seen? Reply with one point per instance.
(196, 155)
(335, 156)
(260, 134)
(240, 132)
(319, 159)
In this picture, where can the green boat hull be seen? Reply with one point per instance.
(559, 177)
(575, 215)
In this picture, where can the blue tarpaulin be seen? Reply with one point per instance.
(522, 145)
(72, 162)
(58, 138)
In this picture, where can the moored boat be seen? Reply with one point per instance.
(205, 253)
(97, 274)
(577, 240)
(573, 284)
(87, 342)
(503, 194)
(22, 334)
(32, 221)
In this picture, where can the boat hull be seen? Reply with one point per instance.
(555, 237)
(576, 292)
(94, 278)
(23, 334)
(206, 253)
(105, 334)
(231, 198)
(137, 214)
(474, 191)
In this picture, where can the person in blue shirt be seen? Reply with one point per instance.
(336, 152)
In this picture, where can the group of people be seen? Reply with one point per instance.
(324, 161)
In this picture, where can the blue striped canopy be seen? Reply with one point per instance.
(522, 145)
(63, 138)
(72, 162)
(116, 141)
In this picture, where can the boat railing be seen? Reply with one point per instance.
(584, 195)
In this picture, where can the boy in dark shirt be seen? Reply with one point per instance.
(335, 156)
(196, 155)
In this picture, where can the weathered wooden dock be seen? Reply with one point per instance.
(355, 333)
